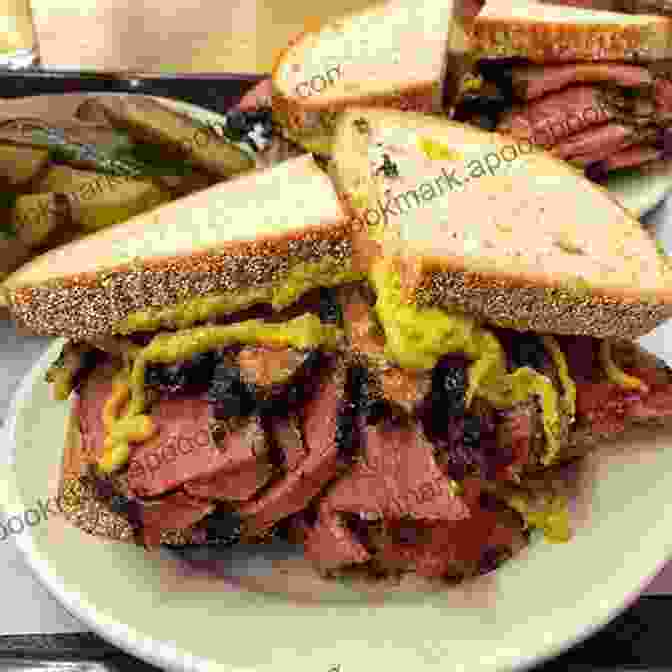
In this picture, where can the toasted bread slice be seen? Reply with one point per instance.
(265, 237)
(546, 33)
(390, 55)
(498, 230)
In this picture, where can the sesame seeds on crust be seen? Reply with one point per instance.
(89, 306)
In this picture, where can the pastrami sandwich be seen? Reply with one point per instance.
(157, 312)
(252, 361)
(593, 87)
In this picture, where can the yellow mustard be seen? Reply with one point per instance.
(302, 278)
(120, 431)
(437, 151)
(471, 82)
(303, 332)
(62, 383)
(558, 356)
(614, 373)
(552, 517)
(417, 337)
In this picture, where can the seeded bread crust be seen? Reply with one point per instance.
(517, 303)
(91, 305)
(548, 42)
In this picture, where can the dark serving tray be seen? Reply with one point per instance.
(213, 91)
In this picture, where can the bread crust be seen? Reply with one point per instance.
(548, 42)
(529, 304)
(88, 306)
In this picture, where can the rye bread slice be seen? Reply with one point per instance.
(389, 55)
(546, 33)
(245, 240)
(484, 224)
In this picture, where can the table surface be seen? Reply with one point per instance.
(189, 36)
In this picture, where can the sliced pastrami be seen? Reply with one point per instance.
(399, 477)
(549, 120)
(634, 156)
(258, 96)
(288, 436)
(515, 433)
(175, 512)
(662, 94)
(88, 407)
(595, 144)
(402, 387)
(298, 487)
(608, 409)
(330, 544)
(236, 486)
(534, 81)
(437, 549)
(183, 449)
(267, 370)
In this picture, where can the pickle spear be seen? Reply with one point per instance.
(148, 121)
(97, 201)
(67, 146)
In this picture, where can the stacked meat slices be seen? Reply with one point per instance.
(370, 466)
(599, 116)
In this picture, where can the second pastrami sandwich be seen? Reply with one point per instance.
(594, 87)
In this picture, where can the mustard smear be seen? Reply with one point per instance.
(417, 337)
(558, 356)
(303, 332)
(300, 279)
(62, 381)
(552, 517)
(437, 151)
(614, 373)
(119, 431)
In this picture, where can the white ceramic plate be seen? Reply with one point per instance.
(276, 615)
(185, 617)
